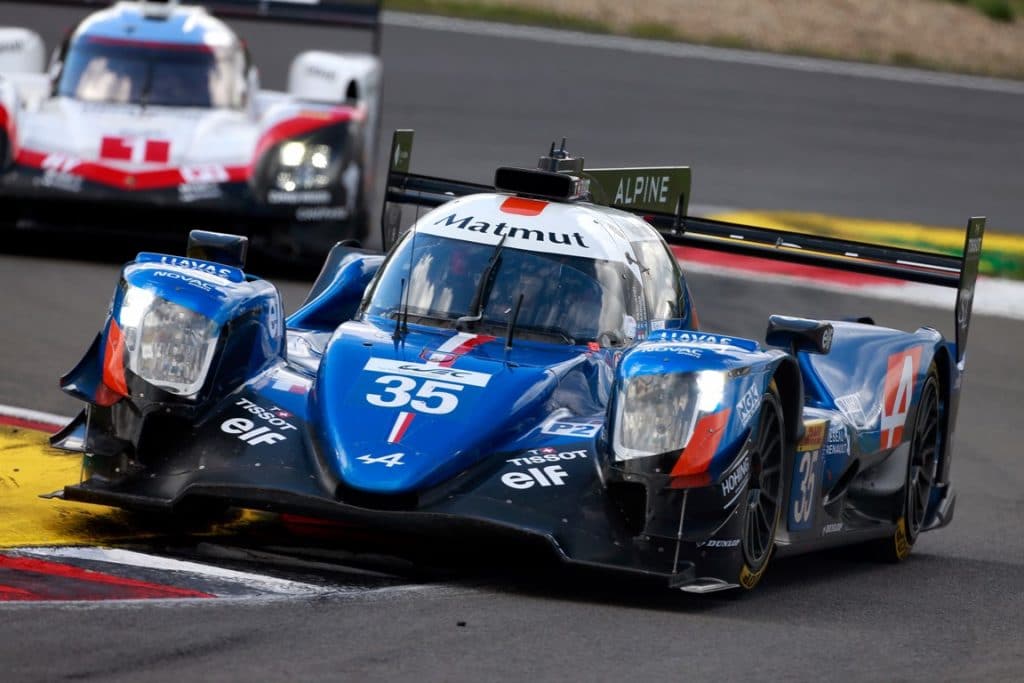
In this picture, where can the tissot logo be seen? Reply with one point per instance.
(503, 229)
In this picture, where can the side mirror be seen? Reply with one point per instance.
(218, 247)
(799, 334)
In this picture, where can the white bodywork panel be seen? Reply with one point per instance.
(571, 229)
(21, 51)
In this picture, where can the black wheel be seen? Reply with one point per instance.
(764, 492)
(922, 470)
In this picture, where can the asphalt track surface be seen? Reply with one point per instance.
(758, 137)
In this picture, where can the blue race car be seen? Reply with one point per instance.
(526, 361)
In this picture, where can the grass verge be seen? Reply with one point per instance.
(510, 14)
(514, 14)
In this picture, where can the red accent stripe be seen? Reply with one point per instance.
(7, 123)
(25, 423)
(302, 124)
(115, 148)
(113, 360)
(131, 181)
(23, 578)
(772, 267)
(464, 348)
(523, 207)
(128, 42)
(173, 176)
(697, 455)
(406, 421)
(157, 152)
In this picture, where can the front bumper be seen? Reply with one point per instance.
(288, 223)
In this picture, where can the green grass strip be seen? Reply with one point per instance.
(510, 14)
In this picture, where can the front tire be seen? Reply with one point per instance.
(764, 492)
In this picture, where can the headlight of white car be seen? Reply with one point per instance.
(168, 345)
(303, 167)
(656, 414)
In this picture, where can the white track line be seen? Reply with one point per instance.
(259, 582)
(1000, 298)
(718, 54)
(56, 421)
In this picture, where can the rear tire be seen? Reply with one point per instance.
(922, 469)
(764, 492)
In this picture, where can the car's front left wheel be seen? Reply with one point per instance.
(764, 492)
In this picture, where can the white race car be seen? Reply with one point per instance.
(150, 117)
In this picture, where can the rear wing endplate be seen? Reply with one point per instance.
(359, 14)
(666, 211)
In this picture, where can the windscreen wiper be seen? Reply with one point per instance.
(513, 319)
(483, 288)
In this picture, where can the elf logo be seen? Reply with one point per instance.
(551, 475)
(247, 431)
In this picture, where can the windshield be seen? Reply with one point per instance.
(125, 72)
(568, 299)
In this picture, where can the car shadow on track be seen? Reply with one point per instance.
(339, 555)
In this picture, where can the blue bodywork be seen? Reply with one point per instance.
(341, 415)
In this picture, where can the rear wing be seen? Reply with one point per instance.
(661, 196)
(359, 14)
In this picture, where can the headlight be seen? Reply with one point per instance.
(303, 167)
(656, 414)
(168, 345)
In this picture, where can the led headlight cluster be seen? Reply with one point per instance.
(303, 167)
(656, 414)
(167, 345)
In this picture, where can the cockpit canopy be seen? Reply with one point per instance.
(567, 299)
(127, 71)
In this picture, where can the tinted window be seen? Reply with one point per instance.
(102, 70)
(564, 297)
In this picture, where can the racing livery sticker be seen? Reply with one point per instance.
(552, 475)
(850, 406)
(805, 489)
(431, 387)
(578, 427)
(814, 435)
(269, 427)
(541, 232)
(539, 456)
(135, 149)
(897, 394)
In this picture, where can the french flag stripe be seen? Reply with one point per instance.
(401, 424)
(456, 346)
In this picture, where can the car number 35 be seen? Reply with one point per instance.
(802, 507)
(436, 398)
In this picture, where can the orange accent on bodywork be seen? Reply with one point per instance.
(814, 435)
(522, 206)
(697, 455)
(113, 360)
